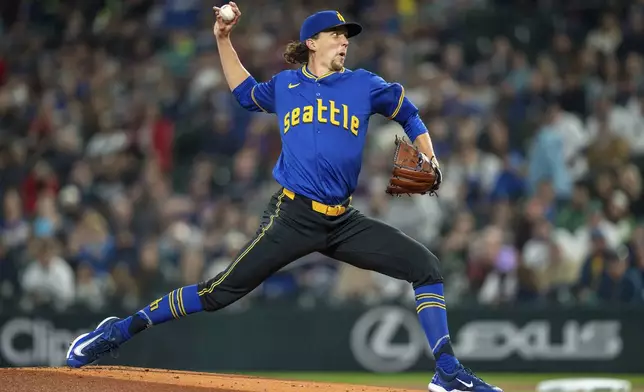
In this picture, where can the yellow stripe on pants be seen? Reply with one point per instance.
(245, 252)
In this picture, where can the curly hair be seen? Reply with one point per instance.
(297, 52)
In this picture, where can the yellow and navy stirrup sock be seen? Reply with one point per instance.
(176, 304)
(430, 306)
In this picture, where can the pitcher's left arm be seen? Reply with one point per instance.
(389, 100)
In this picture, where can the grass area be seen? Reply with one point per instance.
(518, 381)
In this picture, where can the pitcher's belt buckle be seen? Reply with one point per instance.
(328, 210)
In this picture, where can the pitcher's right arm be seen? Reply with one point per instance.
(251, 95)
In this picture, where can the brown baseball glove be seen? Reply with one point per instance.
(413, 172)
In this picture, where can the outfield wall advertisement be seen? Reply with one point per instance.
(378, 339)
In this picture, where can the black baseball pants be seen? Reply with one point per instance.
(293, 226)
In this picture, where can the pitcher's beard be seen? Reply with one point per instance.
(337, 65)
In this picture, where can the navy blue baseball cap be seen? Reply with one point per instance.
(325, 20)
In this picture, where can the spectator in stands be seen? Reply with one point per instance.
(147, 275)
(548, 157)
(355, 285)
(492, 267)
(613, 121)
(91, 243)
(606, 275)
(15, 228)
(120, 140)
(92, 292)
(630, 181)
(635, 107)
(574, 214)
(48, 280)
(454, 246)
(607, 37)
(608, 150)
(41, 178)
(510, 183)
(470, 170)
(545, 270)
(618, 213)
(620, 283)
(13, 155)
(47, 222)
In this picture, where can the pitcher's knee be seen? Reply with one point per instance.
(216, 294)
(426, 268)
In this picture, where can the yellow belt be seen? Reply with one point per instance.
(336, 210)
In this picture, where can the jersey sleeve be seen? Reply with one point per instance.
(256, 97)
(388, 99)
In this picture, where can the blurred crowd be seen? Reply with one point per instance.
(128, 169)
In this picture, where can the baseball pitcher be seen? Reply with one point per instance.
(323, 110)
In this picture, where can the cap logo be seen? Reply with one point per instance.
(340, 17)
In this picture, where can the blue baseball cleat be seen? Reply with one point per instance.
(89, 347)
(463, 380)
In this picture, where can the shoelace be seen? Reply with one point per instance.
(102, 346)
(470, 373)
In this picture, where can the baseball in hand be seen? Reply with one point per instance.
(226, 12)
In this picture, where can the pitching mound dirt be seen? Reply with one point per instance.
(125, 379)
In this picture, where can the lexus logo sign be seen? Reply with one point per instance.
(388, 339)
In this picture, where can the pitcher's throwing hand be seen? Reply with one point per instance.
(222, 28)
